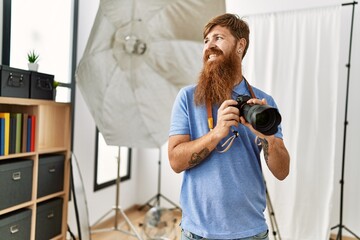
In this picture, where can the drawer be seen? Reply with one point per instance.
(15, 182)
(48, 219)
(16, 225)
(51, 174)
(14, 82)
(41, 86)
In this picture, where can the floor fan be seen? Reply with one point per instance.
(159, 224)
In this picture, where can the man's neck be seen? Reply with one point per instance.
(240, 78)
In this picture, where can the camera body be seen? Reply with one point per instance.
(262, 118)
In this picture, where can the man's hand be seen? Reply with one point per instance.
(228, 115)
(245, 123)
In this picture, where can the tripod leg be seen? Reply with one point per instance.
(149, 202)
(274, 225)
(103, 217)
(118, 210)
(130, 224)
(171, 202)
(357, 237)
(339, 235)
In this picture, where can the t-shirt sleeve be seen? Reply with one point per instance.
(179, 116)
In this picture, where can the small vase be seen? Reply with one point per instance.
(33, 66)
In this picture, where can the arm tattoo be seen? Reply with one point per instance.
(197, 158)
(265, 146)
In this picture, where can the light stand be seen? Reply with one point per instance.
(340, 225)
(156, 199)
(118, 211)
(273, 222)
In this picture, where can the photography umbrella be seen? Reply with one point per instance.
(139, 54)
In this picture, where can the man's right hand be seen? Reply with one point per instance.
(227, 116)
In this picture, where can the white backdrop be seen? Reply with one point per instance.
(294, 56)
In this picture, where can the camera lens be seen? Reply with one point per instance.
(263, 118)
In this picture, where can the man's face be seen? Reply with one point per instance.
(222, 67)
(218, 43)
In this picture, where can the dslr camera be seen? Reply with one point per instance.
(262, 118)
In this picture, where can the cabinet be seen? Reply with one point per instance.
(52, 137)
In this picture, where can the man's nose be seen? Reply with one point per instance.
(211, 44)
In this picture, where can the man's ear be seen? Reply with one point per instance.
(241, 44)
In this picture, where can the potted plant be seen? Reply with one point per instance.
(55, 85)
(32, 61)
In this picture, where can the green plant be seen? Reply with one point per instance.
(55, 84)
(32, 56)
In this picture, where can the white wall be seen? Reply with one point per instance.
(143, 183)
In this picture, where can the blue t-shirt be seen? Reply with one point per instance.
(224, 196)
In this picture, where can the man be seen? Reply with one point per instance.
(223, 192)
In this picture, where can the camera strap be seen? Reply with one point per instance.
(250, 89)
(228, 143)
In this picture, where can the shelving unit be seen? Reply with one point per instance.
(52, 136)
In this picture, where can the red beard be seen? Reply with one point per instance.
(218, 77)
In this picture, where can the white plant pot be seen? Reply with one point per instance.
(33, 66)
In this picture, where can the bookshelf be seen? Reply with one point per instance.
(52, 136)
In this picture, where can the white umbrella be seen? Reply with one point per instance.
(139, 54)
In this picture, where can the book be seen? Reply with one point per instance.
(6, 116)
(2, 136)
(17, 133)
(12, 136)
(28, 136)
(32, 139)
(24, 132)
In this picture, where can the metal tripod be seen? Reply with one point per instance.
(340, 225)
(273, 223)
(155, 200)
(118, 211)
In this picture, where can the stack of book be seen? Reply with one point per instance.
(17, 133)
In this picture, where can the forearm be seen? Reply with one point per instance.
(276, 156)
(185, 154)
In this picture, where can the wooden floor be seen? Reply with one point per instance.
(136, 217)
(106, 230)
(333, 237)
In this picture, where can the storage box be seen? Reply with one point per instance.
(41, 86)
(14, 82)
(16, 225)
(48, 219)
(15, 182)
(51, 174)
